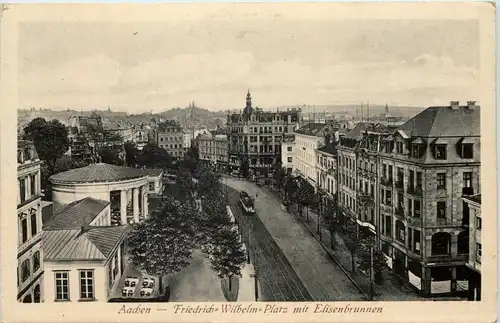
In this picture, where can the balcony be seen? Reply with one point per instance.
(386, 181)
(414, 221)
(400, 184)
(416, 191)
(467, 191)
(399, 211)
(447, 258)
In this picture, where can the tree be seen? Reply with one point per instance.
(50, 140)
(351, 242)
(279, 176)
(305, 195)
(163, 243)
(209, 184)
(152, 156)
(227, 256)
(131, 153)
(184, 184)
(110, 155)
(291, 188)
(364, 254)
(330, 219)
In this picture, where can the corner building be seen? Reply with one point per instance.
(426, 167)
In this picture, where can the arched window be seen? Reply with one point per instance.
(441, 243)
(27, 299)
(463, 243)
(36, 293)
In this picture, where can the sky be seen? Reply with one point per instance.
(159, 65)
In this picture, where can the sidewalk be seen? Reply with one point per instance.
(392, 289)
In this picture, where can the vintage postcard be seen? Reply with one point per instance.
(314, 162)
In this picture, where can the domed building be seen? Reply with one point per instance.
(125, 188)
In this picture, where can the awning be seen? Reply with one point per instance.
(389, 138)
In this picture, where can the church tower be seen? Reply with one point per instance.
(248, 108)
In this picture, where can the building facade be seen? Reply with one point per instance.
(169, 136)
(308, 138)
(255, 137)
(425, 169)
(30, 268)
(327, 168)
(213, 150)
(472, 208)
(85, 255)
(288, 153)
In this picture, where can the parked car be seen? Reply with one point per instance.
(131, 281)
(148, 282)
(128, 291)
(146, 292)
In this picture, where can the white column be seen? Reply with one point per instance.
(145, 209)
(123, 207)
(28, 187)
(136, 204)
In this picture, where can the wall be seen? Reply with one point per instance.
(100, 280)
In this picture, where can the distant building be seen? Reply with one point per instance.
(30, 268)
(142, 135)
(327, 166)
(308, 138)
(288, 153)
(255, 137)
(473, 207)
(169, 135)
(213, 150)
(187, 138)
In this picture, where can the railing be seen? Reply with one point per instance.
(447, 257)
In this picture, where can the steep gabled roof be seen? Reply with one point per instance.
(313, 129)
(362, 127)
(444, 121)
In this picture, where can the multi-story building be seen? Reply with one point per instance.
(473, 207)
(141, 135)
(326, 166)
(308, 138)
(255, 137)
(358, 175)
(288, 153)
(425, 169)
(187, 138)
(213, 150)
(169, 136)
(29, 218)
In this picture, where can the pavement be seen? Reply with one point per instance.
(322, 278)
(196, 283)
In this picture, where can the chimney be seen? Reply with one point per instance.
(454, 104)
(471, 104)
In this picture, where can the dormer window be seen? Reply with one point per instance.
(440, 152)
(466, 148)
(417, 148)
(400, 147)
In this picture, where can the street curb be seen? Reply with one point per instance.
(337, 262)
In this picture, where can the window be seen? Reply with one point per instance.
(62, 285)
(24, 228)
(36, 261)
(479, 223)
(86, 284)
(399, 147)
(467, 151)
(25, 270)
(152, 186)
(289, 148)
(416, 208)
(419, 179)
(390, 172)
(388, 197)
(478, 252)
(467, 179)
(33, 184)
(384, 170)
(441, 210)
(440, 152)
(388, 226)
(289, 159)
(22, 189)
(33, 224)
(441, 180)
(416, 241)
